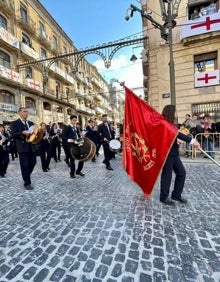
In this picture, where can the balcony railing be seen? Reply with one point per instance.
(27, 24)
(50, 92)
(200, 26)
(8, 107)
(10, 74)
(29, 51)
(8, 38)
(32, 111)
(36, 85)
(44, 38)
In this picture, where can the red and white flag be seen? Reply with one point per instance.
(207, 78)
(148, 137)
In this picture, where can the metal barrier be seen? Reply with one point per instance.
(210, 143)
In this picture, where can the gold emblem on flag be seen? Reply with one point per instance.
(138, 149)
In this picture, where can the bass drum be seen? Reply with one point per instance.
(84, 151)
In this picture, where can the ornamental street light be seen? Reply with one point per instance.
(168, 15)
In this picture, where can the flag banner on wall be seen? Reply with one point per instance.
(148, 137)
(207, 78)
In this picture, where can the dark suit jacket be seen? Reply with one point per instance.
(20, 139)
(69, 133)
(174, 151)
(91, 134)
(104, 132)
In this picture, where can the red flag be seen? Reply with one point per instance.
(148, 137)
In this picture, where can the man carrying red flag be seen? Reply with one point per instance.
(148, 138)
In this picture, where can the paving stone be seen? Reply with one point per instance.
(109, 232)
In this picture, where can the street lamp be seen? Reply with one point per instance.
(168, 16)
(166, 32)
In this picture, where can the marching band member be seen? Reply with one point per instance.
(26, 150)
(106, 135)
(71, 133)
(4, 150)
(45, 149)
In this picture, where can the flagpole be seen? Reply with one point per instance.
(207, 155)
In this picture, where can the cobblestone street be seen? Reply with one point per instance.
(101, 228)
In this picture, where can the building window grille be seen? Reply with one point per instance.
(43, 53)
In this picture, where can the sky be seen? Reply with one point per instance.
(92, 22)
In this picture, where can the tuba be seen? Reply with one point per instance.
(36, 135)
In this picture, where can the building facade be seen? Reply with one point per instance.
(51, 89)
(196, 57)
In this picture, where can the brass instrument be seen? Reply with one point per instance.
(36, 136)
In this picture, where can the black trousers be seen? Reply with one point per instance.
(173, 163)
(4, 161)
(107, 153)
(73, 165)
(27, 163)
(45, 156)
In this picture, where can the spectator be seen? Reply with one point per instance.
(211, 9)
(195, 14)
(208, 139)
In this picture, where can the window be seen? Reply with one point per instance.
(205, 62)
(3, 22)
(7, 97)
(26, 39)
(55, 44)
(43, 53)
(57, 87)
(28, 72)
(5, 60)
(64, 50)
(213, 109)
(23, 11)
(199, 8)
(47, 106)
(42, 30)
(66, 70)
(30, 103)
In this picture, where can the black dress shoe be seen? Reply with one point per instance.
(72, 176)
(109, 167)
(180, 199)
(2, 176)
(80, 173)
(104, 162)
(168, 202)
(28, 187)
(45, 170)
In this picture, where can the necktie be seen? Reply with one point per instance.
(25, 125)
(108, 131)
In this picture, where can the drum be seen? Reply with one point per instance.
(115, 145)
(84, 150)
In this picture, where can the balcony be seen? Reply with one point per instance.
(35, 85)
(10, 75)
(199, 29)
(47, 116)
(99, 110)
(84, 109)
(32, 111)
(44, 38)
(6, 7)
(62, 74)
(50, 92)
(8, 107)
(8, 40)
(27, 24)
(29, 51)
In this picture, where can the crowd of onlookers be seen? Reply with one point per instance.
(204, 129)
(204, 10)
